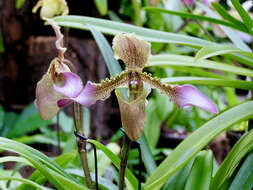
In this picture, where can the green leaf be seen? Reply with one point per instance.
(111, 27)
(43, 139)
(28, 121)
(9, 121)
(195, 17)
(40, 179)
(228, 31)
(14, 159)
(104, 183)
(26, 181)
(101, 6)
(244, 176)
(201, 173)
(106, 50)
(243, 14)
(66, 122)
(39, 161)
(147, 157)
(240, 84)
(187, 61)
(228, 166)
(196, 141)
(178, 180)
(224, 13)
(214, 50)
(153, 124)
(116, 161)
(86, 121)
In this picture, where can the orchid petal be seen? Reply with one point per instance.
(87, 96)
(133, 114)
(72, 86)
(134, 52)
(63, 102)
(47, 97)
(188, 95)
(101, 91)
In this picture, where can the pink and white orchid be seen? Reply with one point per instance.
(59, 86)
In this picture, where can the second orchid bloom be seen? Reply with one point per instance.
(60, 86)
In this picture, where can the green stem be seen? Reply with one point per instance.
(78, 120)
(58, 133)
(123, 162)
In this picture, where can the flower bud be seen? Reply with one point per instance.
(51, 8)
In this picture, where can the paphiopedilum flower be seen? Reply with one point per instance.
(134, 52)
(59, 86)
(49, 88)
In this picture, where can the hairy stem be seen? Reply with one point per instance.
(123, 161)
(78, 120)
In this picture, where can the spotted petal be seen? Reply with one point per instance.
(72, 85)
(97, 91)
(188, 95)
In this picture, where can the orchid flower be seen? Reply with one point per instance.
(59, 74)
(59, 86)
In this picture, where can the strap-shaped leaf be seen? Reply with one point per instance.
(196, 141)
(240, 84)
(197, 17)
(243, 14)
(228, 166)
(224, 13)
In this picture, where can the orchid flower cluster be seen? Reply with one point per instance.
(60, 85)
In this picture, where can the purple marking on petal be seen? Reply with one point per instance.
(72, 86)
(188, 95)
(63, 102)
(87, 96)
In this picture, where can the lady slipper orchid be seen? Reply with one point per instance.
(59, 86)
(49, 88)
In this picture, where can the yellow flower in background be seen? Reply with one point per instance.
(51, 8)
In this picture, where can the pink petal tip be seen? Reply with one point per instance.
(87, 96)
(188, 95)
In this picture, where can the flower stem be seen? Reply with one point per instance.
(58, 133)
(81, 144)
(123, 161)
